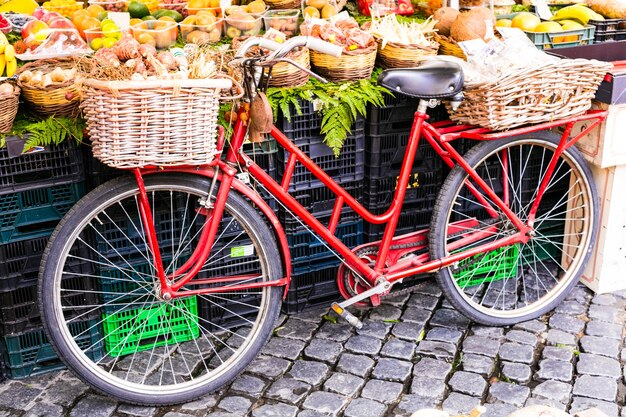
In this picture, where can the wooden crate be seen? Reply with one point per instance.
(605, 270)
(605, 145)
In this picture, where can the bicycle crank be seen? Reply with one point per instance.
(382, 287)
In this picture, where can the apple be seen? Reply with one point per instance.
(39, 12)
(60, 23)
(30, 31)
(46, 18)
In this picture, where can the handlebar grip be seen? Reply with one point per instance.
(268, 44)
(323, 47)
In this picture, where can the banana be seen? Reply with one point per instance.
(9, 52)
(581, 13)
(11, 67)
(2, 64)
(3, 42)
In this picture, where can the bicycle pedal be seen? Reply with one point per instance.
(347, 316)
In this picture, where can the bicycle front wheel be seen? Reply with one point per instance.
(516, 282)
(100, 300)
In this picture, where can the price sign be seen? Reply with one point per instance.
(542, 9)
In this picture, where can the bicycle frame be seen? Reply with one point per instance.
(439, 135)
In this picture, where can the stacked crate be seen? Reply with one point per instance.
(388, 128)
(314, 264)
(36, 190)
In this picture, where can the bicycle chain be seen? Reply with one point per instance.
(368, 250)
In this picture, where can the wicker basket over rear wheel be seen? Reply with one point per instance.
(394, 55)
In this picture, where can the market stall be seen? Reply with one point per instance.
(353, 129)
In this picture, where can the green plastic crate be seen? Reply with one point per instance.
(545, 40)
(31, 353)
(142, 329)
(480, 268)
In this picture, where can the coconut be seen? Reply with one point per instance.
(484, 14)
(467, 27)
(445, 17)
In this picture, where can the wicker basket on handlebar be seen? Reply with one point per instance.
(395, 55)
(557, 89)
(162, 122)
(350, 66)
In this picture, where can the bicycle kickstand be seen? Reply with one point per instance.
(340, 308)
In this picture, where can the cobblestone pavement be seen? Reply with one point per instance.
(414, 352)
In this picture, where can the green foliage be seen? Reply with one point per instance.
(339, 104)
(52, 130)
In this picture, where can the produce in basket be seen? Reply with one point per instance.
(344, 31)
(40, 79)
(319, 9)
(477, 23)
(389, 30)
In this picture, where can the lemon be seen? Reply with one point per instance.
(109, 42)
(96, 43)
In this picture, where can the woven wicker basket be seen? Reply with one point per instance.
(553, 91)
(53, 100)
(284, 4)
(448, 46)
(286, 75)
(9, 103)
(161, 122)
(350, 66)
(394, 55)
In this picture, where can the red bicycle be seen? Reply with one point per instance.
(187, 266)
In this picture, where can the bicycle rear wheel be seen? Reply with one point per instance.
(517, 282)
(99, 293)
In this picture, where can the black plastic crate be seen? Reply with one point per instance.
(97, 173)
(36, 212)
(397, 114)
(349, 166)
(312, 289)
(298, 126)
(384, 155)
(411, 219)
(609, 36)
(30, 353)
(19, 262)
(319, 201)
(306, 250)
(19, 308)
(45, 167)
(422, 189)
(608, 25)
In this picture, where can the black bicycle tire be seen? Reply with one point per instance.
(439, 222)
(59, 240)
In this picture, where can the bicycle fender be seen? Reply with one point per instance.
(242, 188)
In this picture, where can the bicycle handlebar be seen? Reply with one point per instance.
(280, 50)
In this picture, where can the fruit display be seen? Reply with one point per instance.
(161, 34)
(285, 21)
(104, 37)
(5, 25)
(17, 21)
(63, 7)
(319, 9)
(110, 6)
(465, 26)
(244, 20)
(383, 7)
(194, 6)
(201, 29)
(579, 13)
(140, 9)
(175, 5)
(167, 14)
(8, 63)
(343, 32)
